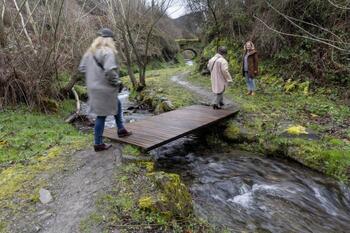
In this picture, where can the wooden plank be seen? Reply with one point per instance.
(161, 129)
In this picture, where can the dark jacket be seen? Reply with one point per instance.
(253, 64)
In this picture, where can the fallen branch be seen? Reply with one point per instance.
(75, 115)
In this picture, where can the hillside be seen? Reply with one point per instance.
(191, 23)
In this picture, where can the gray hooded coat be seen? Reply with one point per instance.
(102, 84)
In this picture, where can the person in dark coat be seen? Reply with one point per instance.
(250, 66)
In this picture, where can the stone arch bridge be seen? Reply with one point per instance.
(194, 45)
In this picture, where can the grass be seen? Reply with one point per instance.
(158, 81)
(31, 143)
(25, 134)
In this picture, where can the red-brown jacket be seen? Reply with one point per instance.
(253, 64)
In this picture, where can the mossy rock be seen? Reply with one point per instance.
(297, 131)
(164, 106)
(236, 133)
(173, 198)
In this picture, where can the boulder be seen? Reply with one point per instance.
(172, 199)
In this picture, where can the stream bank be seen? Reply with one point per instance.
(238, 191)
(307, 127)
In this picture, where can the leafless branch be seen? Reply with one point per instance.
(339, 6)
(300, 36)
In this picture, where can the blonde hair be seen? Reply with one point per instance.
(102, 43)
(251, 43)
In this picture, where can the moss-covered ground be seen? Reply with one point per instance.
(31, 143)
(144, 200)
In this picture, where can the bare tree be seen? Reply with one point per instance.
(137, 22)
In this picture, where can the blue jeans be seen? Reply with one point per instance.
(250, 82)
(100, 124)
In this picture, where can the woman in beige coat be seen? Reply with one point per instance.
(220, 76)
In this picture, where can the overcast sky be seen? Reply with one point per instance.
(177, 10)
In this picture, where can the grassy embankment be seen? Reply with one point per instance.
(288, 119)
(31, 143)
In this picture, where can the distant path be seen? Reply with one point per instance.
(206, 96)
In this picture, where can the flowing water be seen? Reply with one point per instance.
(130, 112)
(251, 193)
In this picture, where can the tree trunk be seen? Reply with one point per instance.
(3, 39)
(129, 62)
(143, 76)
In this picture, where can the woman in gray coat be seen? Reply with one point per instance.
(102, 81)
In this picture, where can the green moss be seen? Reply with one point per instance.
(131, 150)
(149, 166)
(175, 198)
(232, 131)
(296, 130)
(3, 227)
(143, 200)
(147, 203)
(82, 91)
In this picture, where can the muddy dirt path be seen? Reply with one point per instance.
(77, 192)
(87, 175)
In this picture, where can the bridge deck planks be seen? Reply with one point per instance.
(158, 130)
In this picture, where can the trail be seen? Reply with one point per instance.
(206, 96)
(75, 191)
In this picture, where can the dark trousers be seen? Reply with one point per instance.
(100, 124)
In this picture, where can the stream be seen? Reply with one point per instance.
(252, 193)
(245, 192)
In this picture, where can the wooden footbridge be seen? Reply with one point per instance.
(161, 129)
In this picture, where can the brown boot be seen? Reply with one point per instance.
(102, 147)
(123, 133)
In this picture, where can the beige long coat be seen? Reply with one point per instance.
(220, 75)
(102, 95)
